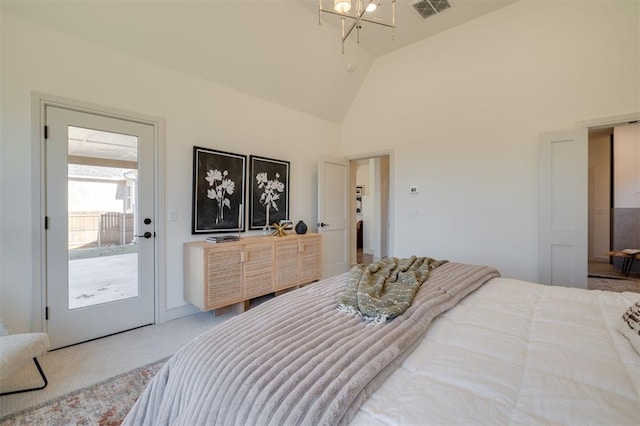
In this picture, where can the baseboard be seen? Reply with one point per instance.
(177, 312)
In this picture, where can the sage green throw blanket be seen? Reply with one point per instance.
(385, 289)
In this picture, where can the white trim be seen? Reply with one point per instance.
(38, 291)
(370, 154)
(603, 122)
(609, 121)
(39, 101)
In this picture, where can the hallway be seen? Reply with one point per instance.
(602, 276)
(361, 257)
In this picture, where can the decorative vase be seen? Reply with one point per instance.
(301, 228)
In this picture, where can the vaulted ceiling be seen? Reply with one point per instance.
(272, 49)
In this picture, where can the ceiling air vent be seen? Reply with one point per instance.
(427, 8)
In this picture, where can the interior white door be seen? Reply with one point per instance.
(100, 230)
(333, 215)
(563, 208)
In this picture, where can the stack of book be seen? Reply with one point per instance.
(222, 238)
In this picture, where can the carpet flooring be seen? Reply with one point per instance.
(83, 365)
(613, 284)
(103, 404)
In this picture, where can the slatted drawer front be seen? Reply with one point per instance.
(258, 270)
(287, 263)
(224, 276)
(310, 268)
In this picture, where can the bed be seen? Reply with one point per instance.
(495, 351)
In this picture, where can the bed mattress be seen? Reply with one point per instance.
(515, 352)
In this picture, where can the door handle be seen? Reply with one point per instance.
(145, 235)
(322, 224)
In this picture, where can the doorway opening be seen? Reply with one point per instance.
(370, 177)
(614, 207)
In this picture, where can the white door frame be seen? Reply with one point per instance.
(38, 103)
(609, 121)
(391, 201)
(601, 122)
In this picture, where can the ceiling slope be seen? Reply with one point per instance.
(271, 49)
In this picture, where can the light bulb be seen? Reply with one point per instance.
(342, 6)
(371, 6)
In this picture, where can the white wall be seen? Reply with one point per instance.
(196, 112)
(626, 168)
(463, 110)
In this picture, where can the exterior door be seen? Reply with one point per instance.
(563, 208)
(333, 215)
(100, 251)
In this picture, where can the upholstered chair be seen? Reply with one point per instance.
(18, 349)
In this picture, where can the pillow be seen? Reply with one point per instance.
(629, 325)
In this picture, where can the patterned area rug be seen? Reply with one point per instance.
(105, 404)
(612, 284)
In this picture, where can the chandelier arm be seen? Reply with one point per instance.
(384, 24)
(337, 14)
(393, 19)
(344, 37)
(358, 19)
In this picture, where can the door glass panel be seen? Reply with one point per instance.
(102, 217)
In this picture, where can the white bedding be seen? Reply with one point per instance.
(514, 352)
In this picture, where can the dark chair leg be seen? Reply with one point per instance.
(44, 378)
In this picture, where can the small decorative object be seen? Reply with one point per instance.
(269, 192)
(287, 224)
(280, 230)
(301, 227)
(218, 191)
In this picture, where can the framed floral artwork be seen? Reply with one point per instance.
(219, 185)
(269, 191)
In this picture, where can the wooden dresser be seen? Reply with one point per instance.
(224, 274)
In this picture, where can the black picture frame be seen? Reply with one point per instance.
(219, 187)
(269, 183)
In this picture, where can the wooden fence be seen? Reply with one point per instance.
(96, 229)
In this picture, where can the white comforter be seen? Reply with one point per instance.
(516, 353)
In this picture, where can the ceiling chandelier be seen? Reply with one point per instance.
(342, 9)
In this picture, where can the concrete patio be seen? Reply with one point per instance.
(102, 279)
